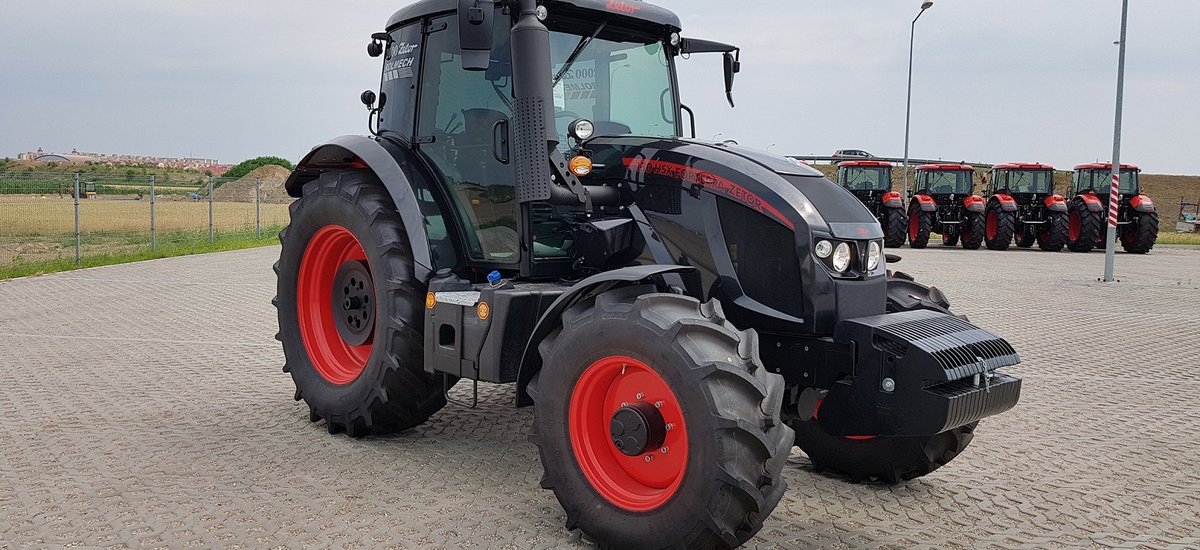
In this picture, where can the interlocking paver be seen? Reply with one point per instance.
(143, 406)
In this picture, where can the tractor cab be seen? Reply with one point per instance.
(1096, 178)
(1026, 183)
(945, 181)
(871, 182)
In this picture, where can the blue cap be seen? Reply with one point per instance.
(493, 277)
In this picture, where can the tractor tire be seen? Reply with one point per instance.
(366, 375)
(972, 231)
(1026, 237)
(889, 460)
(709, 408)
(1139, 237)
(896, 224)
(999, 227)
(1053, 235)
(950, 236)
(920, 225)
(1083, 227)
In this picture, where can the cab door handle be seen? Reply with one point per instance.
(500, 141)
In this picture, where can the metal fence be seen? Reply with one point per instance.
(63, 217)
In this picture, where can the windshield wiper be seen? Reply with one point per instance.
(583, 44)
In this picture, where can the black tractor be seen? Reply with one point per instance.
(1134, 213)
(871, 182)
(678, 313)
(945, 203)
(1022, 203)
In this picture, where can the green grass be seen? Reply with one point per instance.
(171, 245)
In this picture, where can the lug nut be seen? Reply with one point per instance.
(640, 395)
(658, 404)
(670, 427)
(649, 458)
(664, 450)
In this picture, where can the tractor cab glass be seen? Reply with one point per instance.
(1024, 181)
(1098, 180)
(947, 182)
(865, 178)
(461, 121)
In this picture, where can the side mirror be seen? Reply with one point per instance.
(732, 67)
(475, 24)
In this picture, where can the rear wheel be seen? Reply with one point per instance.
(1054, 234)
(972, 231)
(657, 424)
(920, 225)
(998, 227)
(350, 309)
(886, 459)
(1083, 227)
(1139, 237)
(896, 224)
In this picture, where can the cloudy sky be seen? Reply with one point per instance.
(1020, 80)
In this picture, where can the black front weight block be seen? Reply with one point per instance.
(918, 373)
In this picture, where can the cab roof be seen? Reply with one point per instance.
(1106, 166)
(1023, 166)
(851, 163)
(945, 167)
(637, 11)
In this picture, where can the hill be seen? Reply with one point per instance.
(242, 190)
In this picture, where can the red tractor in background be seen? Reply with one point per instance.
(1022, 203)
(871, 182)
(945, 203)
(1137, 219)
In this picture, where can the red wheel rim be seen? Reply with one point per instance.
(335, 360)
(1076, 227)
(992, 222)
(914, 225)
(632, 483)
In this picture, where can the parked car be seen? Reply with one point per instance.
(852, 154)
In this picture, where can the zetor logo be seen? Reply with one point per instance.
(623, 7)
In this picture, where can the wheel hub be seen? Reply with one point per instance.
(637, 428)
(354, 303)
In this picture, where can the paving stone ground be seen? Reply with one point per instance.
(143, 406)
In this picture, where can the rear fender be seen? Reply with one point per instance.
(1092, 201)
(531, 360)
(359, 153)
(926, 202)
(892, 199)
(1142, 203)
(1056, 203)
(974, 203)
(1006, 202)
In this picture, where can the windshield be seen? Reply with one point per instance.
(1027, 181)
(1098, 181)
(622, 87)
(857, 178)
(947, 182)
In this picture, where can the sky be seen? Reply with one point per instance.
(1013, 81)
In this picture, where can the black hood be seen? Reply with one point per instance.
(785, 190)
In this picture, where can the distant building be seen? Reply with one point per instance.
(83, 157)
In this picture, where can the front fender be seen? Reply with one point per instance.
(1142, 203)
(1006, 202)
(892, 199)
(359, 152)
(926, 203)
(974, 203)
(1092, 201)
(1056, 203)
(531, 361)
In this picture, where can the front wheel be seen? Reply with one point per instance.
(949, 235)
(896, 224)
(920, 225)
(1055, 233)
(999, 227)
(351, 309)
(972, 231)
(657, 425)
(1139, 237)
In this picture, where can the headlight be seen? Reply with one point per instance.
(581, 129)
(872, 256)
(824, 249)
(841, 258)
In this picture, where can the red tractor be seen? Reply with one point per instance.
(1137, 220)
(1022, 202)
(871, 182)
(945, 203)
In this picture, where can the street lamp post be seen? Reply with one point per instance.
(908, 110)
(1114, 194)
